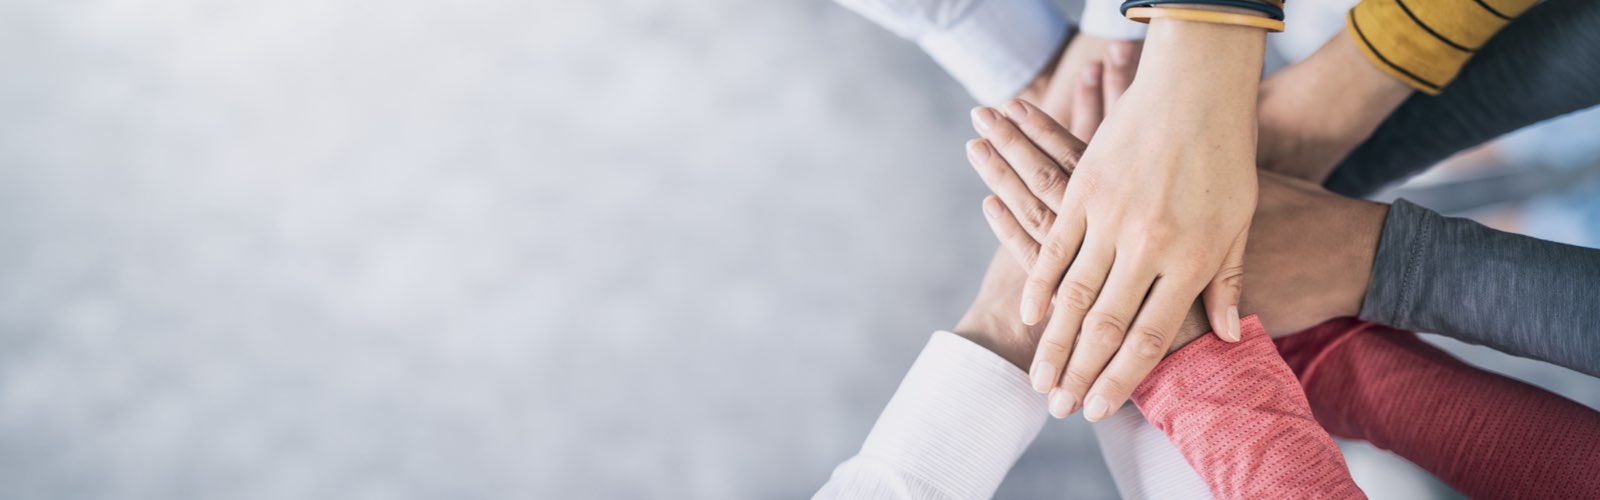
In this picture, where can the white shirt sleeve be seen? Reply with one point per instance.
(1143, 462)
(1103, 18)
(993, 47)
(953, 429)
(961, 418)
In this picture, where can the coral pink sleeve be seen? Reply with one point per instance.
(1238, 415)
(1485, 435)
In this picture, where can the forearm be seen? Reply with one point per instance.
(1239, 417)
(1527, 73)
(1519, 295)
(1485, 435)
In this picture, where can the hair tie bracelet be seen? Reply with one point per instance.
(1144, 14)
(1274, 11)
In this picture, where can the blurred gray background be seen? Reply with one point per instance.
(484, 249)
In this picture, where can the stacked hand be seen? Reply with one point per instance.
(1297, 279)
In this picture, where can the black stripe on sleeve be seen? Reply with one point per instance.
(1492, 11)
(1430, 31)
(1391, 64)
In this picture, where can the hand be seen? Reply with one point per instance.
(1087, 58)
(992, 322)
(1158, 212)
(1296, 279)
(1315, 112)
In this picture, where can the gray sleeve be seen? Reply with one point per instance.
(1519, 295)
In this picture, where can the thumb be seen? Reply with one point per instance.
(1222, 294)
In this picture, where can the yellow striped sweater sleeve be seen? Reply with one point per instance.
(1424, 43)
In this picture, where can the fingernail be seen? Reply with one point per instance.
(1120, 53)
(991, 209)
(1062, 404)
(1233, 324)
(977, 150)
(983, 117)
(1091, 75)
(1096, 408)
(1016, 109)
(1030, 312)
(1043, 375)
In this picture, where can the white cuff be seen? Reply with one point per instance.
(1143, 461)
(999, 46)
(1103, 18)
(961, 418)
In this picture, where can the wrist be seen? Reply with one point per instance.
(1215, 65)
(1359, 254)
(992, 332)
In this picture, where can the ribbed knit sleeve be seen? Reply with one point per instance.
(1424, 43)
(1485, 435)
(1241, 420)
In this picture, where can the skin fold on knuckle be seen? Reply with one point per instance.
(1076, 296)
(1105, 332)
(1149, 345)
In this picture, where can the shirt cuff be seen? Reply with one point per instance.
(1104, 19)
(960, 419)
(1407, 231)
(999, 46)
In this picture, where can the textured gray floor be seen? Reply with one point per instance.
(480, 249)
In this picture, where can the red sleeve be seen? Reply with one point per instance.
(1237, 414)
(1485, 435)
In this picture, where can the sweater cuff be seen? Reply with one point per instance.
(999, 46)
(1396, 266)
(1424, 43)
(1205, 359)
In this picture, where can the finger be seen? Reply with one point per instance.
(1035, 217)
(1036, 169)
(1222, 294)
(1076, 295)
(1056, 251)
(1106, 325)
(1017, 241)
(1055, 142)
(1087, 110)
(1147, 341)
(1122, 60)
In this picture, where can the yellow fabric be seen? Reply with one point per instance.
(1424, 43)
(1144, 14)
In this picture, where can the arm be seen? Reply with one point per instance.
(965, 412)
(1314, 113)
(1165, 190)
(1485, 435)
(1519, 295)
(1240, 418)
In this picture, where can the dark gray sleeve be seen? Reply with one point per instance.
(1519, 295)
(1543, 65)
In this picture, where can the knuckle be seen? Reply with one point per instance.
(1037, 217)
(1149, 344)
(1057, 247)
(1077, 379)
(1105, 331)
(1049, 184)
(1232, 277)
(1076, 295)
(1053, 347)
(1118, 385)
